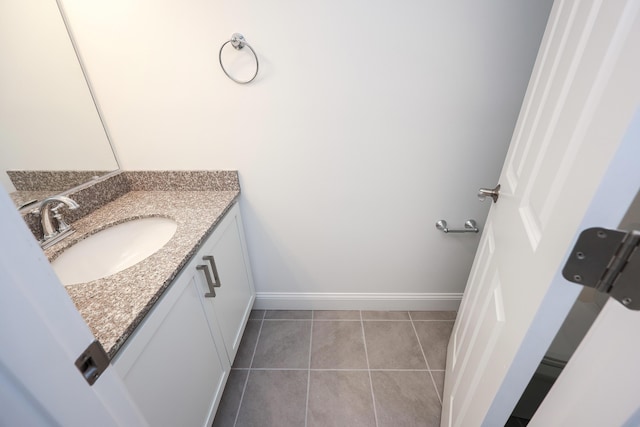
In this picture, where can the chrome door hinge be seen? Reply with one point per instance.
(607, 260)
(92, 362)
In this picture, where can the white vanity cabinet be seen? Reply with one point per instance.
(228, 277)
(177, 362)
(171, 365)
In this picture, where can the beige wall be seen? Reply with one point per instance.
(369, 121)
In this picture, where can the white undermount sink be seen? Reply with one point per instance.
(113, 249)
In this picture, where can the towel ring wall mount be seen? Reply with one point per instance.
(238, 42)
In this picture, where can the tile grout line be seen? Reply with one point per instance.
(369, 370)
(340, 369)
(358, 320)
(433, 381)
(306, 409)
(246, 380)
(366, 354)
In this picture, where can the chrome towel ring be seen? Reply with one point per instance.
(238, 42)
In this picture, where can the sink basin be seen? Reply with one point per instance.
(113, 249)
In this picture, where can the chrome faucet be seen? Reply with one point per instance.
(52, 235)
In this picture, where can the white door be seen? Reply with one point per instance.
(581, 99)
(41, 335)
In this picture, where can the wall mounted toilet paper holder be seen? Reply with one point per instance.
(470, 226)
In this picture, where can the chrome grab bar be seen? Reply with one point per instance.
(470, 226)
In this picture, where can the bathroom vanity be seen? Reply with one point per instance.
(171, 324)
(176, 363)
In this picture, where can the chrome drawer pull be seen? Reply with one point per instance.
(212, 291)
(216, 278)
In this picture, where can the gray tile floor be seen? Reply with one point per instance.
(338, 368)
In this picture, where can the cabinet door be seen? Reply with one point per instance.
(234, 298)
(171, 366)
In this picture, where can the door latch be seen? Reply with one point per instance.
(92, 362)
(608, 261)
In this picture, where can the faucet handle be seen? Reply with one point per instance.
(38, 211)
(62, 225)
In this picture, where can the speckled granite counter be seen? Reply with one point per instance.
(39, 184)
(115, 305)
(21, 198)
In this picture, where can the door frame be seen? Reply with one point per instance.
(585, 393)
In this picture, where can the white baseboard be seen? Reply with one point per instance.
(357, 301)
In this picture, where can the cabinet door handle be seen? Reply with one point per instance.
(216, 278)
(212, 291)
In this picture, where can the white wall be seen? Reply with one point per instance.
(47, 117)
(368, 122)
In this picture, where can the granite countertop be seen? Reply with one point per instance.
(21, 198)
(115, 305)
